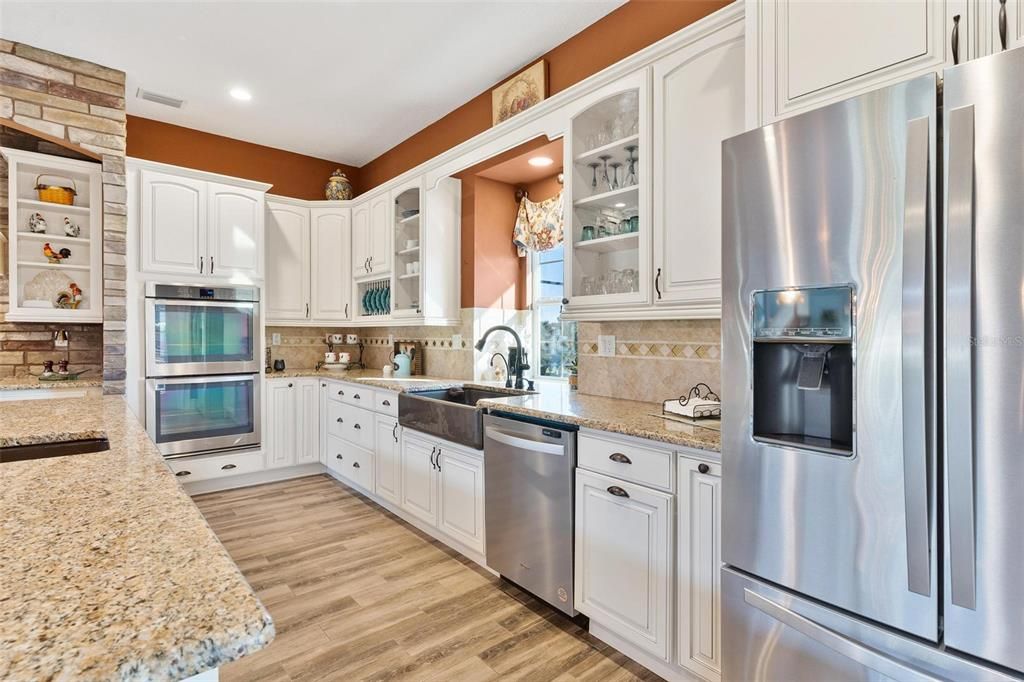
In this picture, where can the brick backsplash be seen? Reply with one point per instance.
(82, 103)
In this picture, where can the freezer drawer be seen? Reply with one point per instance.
(770, 634)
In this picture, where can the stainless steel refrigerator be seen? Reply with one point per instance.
(873, 371)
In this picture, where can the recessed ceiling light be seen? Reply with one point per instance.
(241, 94)
(620, 205)
(540, 161)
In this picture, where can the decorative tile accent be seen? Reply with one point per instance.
(658, 349)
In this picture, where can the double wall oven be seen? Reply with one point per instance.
(202, 368)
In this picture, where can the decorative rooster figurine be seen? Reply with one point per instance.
(55, 256)
(70, 228)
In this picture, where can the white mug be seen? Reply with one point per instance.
(387, 370)
(409, 269)
(330, 357)
(344, 358)
(337, 339)
(351, 339)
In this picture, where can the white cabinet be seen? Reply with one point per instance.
(807, 53)
(371, 230)
(388, 464)
(288, 254)
(698, 102)
(330, 276)
(198, 227)
(419, 484)
(235, 239)
(1001, 24)
(461, 496)
(361, 239)
(173, 222)
(699, 630)
(623, 560)
(292, 422)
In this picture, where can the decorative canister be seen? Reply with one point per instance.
(338, 187)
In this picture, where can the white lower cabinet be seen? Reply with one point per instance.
(623, 559)
(293, 417)
(699, 559)
(419, 484)
(388, 462)
(461, 496)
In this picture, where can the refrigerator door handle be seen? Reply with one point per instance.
(915, 406)
(959, 338)
(839, 643)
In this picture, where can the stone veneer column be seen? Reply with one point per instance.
(83, 104)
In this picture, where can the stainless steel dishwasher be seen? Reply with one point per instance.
(528, 488)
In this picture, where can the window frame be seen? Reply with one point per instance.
(537, 302)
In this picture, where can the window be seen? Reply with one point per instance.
(554, 341)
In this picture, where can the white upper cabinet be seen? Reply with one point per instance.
(809, 53)
(173, 217)
(331, 275)
(235, 230)
(1001, 25)
(371, 243)
(198, 227)
(288, 239)
(361, 239)
(698, 102)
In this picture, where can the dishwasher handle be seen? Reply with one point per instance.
(524, 443)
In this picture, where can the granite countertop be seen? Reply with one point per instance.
(107, 569)
(549, 401)
(28, 382)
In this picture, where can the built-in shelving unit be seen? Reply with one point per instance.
(408, 241)
(51, 288)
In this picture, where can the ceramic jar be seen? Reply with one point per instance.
(338, 187)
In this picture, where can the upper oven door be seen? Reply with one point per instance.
(201, 337)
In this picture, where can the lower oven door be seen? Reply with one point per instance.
(201, 414)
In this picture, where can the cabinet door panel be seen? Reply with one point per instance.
(419, 483)
(623, 560)
(282, 419)
(287, 290)
(360, 240)
(461, 512)
(699, 563)
(380, 234)
(174, 222)
(331, 274)
(388, 463)
(235, 234)
(308, 438)
(698, 102)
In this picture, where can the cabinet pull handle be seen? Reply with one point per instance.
(201, 262)
(346, 310)
(657, 283)
(211, 265)
(703, 468)
(357, 427)
(324, 385)
(439, 459)
(307, 310)
(394, 432)
(433, 451)
(386, 403)
(955, 39)
(183, 472)
(355, 465)
(341, 393)
(1002, 23)
(338, 456)
(356, 397)
(620, 458)
(340, 420)
(617, 491)
(228, 467)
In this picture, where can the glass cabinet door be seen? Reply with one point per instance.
(607, 219)
(408, 253)
(200, 338)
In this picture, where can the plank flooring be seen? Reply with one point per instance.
(358, 594)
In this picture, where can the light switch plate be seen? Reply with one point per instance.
(275, 339)
(391, 340)
(605, 345)
(456, 341)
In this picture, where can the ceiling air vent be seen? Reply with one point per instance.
(159, 99)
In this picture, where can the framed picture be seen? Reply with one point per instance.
(520, 92)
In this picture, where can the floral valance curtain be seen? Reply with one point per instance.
(539, 226)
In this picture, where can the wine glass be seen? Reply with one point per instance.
(631, 160)
(593, 181)
(615, 166)
(604, 171)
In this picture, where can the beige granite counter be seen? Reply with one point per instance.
(632, 418)
(107, 569)
(30, 382)
(372, 377)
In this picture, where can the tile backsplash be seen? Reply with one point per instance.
(653, 361)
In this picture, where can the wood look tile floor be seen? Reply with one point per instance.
(358, 594)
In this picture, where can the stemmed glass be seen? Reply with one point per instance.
(615, 174)
(593, 181)
(604, 171)
(631, 160)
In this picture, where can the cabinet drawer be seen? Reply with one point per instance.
(626, 459)
(351, 463)
(386, 402)
(203, 468)
(358, 426)
(335, 417)
(355, 395)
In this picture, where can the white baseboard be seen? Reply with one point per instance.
(256, 478)
(653, 663)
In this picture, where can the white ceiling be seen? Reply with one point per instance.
(343, 81)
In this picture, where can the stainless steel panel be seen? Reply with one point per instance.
(984, 381)
(820, 200)
(181, 447)
(776, 635)
(528, 493)
(195, 292)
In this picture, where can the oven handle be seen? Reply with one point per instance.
(523, 443)
(185, 302)
(153, 384)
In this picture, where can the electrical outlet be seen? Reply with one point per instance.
(60, 339)
(456, 341)
(605, 345)
(391, 340)
(275, 339)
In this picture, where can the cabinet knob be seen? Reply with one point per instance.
(620, 458)
(341, 393)
(228, 467)
(356, 397)
(338, 457)
(357, 427)
(355, 465)
(182, 473)
(617, 491)
(290, 385)
(703, 468)
(565, 301)
(340, 420)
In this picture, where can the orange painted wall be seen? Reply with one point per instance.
(293, 175)
(497, 270)
(545, 188)
(628, 29)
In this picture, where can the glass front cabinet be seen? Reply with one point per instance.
(608, 197)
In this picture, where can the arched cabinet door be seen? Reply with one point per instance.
(235, 234)
(173, 223)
